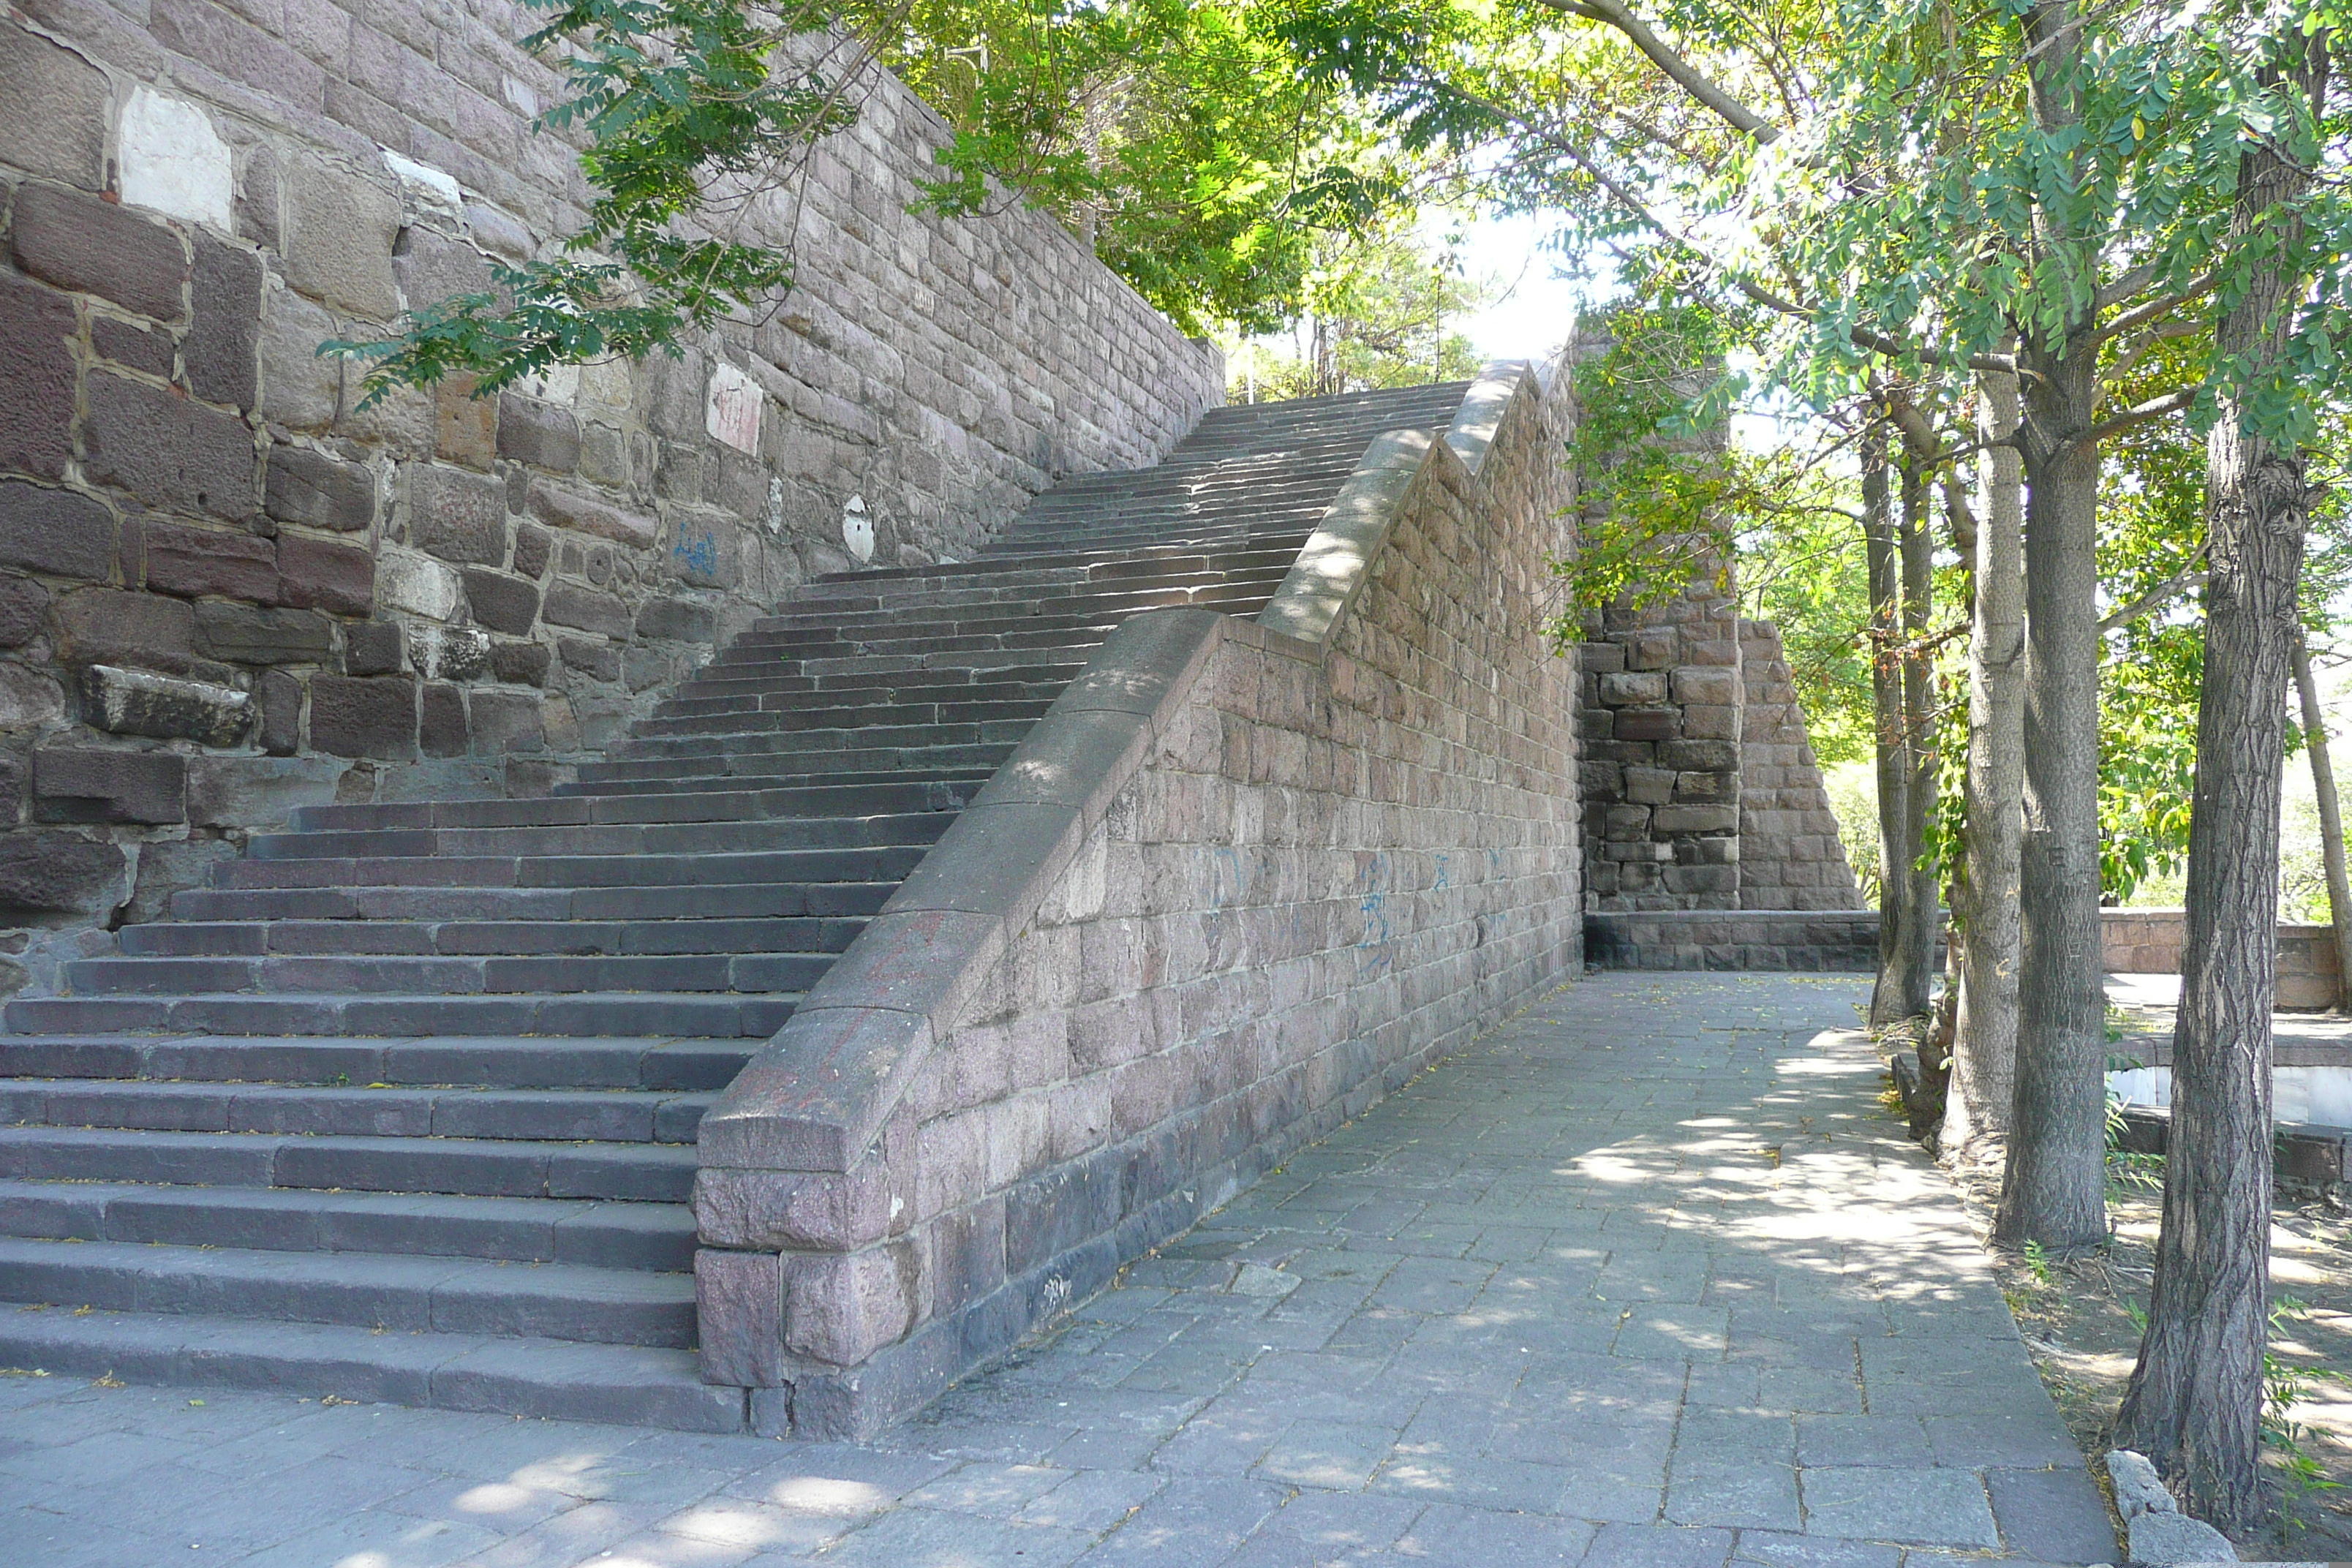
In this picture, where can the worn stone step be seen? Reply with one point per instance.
(952, 718)
(439, 975)
(612, 937)
(736, 901)
(782, 693)
(611, 1116)
(859, 864)
(724, 1016)
(474, 1167)
(768, 770)
(801, 831)
(612, 1062)
(645, 1237)
(811, 744)
(411, 1294)
(546, 1379)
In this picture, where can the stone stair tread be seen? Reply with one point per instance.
(659, 1237)
(784, 935)
(575, 1063)
(470, 1110)
(505, 1012)
(554, 1379)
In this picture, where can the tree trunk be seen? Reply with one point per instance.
(1883, 552)
(1915, 947)
(2194, 1399)
(1984, 1045)
(2053, 1190)
(2331, 823)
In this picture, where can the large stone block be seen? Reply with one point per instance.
(442, 731)
(465, 427)
(841, 1308)
(55, 123)
(315, 575)
(60, 873)
(223, 344)
(85, 784)
(501, 603)
(338, 235)
(507, 722)
(560, 507)
(532, 432)
(163, 707)
(1638, 687)
(241, 634)
(194, 562)
(457, 515)
(372, 718)
(312, 489)
(60, 533)
(679, 620)
(36, 378)
(431, 267)
(299, 388)
(109, 626)
(173, 162)
(24, 608)
(168, 451)
(77, 241)
(739, 1303)
(569, 605)
(258, 793)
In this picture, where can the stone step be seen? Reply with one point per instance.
(951, 718)
(191, 939)
(462, 1167)
(837, 794)
(743, 900)
(1114, 596)
(799, 832)
(545, 1379)
(724, 1016)
(643, 1237)
(536, 1115)
(827, 742)
(783, 693)
(868, 863)
(381, 974)
(764, 769)
(616, 1062)
(404, 1294)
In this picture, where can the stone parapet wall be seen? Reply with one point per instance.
(1244, 878)
(227, 589)
(1845, 940)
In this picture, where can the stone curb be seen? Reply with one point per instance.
(817, 1095)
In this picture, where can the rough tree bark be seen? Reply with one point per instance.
(1922, 907)
(1984, 1045)
(2331, 822)
(2195, 1398)
(1883, 554)
(2053, 1189)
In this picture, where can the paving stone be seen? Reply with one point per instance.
(1917, 1507)
(1657, 1546)
(2054, 1516)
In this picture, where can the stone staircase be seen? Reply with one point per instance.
(403, 1106)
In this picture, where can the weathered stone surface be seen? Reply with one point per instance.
(311, 489)
(29, 698)
(449, 653)
(442, 731)
(531, 546)
(597, 660)
(166, 707)
(107, 625)
(419, 584)
(465, 427)
(241, 634)
(299, 388)
(500, 602)
(519, 663)
(532, 432)
(371, 647)
(133, 346)
(173, 162)
(277, 698)
(60, 873)
(85, 784)
(168, 451)
(457, 515)
(59, 532)
(679, 620)
(315, 575)
(339, 235)
(24, 607)
(221, 350)
(506, 722)
(258, 793)
(372, 718)
(55, 123)
(430, 268)
(560, 507)
(36, 379)
(569, 605)
(77, 241)
(194, 562)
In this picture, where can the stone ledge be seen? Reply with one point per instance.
(1834, 940)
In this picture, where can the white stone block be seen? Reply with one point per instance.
(418, 584)
(425, 185)
(174, 162)
(731, 414)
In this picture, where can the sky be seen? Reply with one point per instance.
(1538, 312)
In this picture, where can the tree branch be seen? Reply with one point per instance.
(2156, 597)
(1688, 77)
(2139, 413)
(2140, 315)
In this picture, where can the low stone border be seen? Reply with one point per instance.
(1835, 940)
(2307, 1160)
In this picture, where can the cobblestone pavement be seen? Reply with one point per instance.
(1646, 1279)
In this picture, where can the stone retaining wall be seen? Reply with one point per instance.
(227, 590)
(1842, 940)
(2149, 941)
(1244, 878)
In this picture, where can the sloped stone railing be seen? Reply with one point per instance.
(1244, 878)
